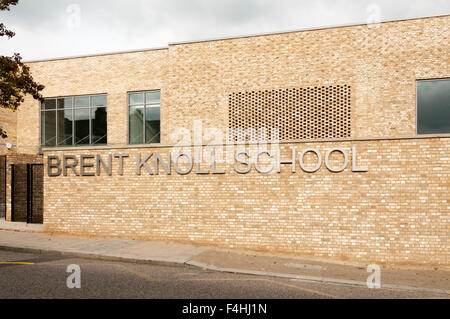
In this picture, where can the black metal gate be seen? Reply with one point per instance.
(27, 193)
(2, 186)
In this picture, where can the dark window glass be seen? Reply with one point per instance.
(42, 128)
(49, 104)
(65, 103)
(152, 97)
(82, 101)
(144, 122)
(48, 128)
(78, 120)
(99, 100)
(136, 125)
(82, 126)
(136, 98)
(98, 125)
(433, 107)
(152, 125)
(64, 130)
(64, 127)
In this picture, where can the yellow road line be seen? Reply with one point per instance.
(316, 292)
(139, 274)
(14, 263)
(305, 289)
(220, 279)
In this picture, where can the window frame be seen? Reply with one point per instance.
(417, 101)
(72, 109)
(144, 104)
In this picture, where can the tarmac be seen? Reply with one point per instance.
(21, 237)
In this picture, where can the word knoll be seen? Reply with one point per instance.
(90, 165)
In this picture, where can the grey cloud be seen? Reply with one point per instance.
(123, 25)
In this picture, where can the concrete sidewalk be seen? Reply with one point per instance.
(286, 266)
(23, 227)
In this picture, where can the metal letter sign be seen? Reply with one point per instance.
(245, 162)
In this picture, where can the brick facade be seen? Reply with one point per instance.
(8, 122)
(381, 64)
(20, 160)
(397, 212)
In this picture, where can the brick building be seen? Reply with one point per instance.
(331, 142)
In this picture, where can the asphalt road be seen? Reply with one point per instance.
(45, 276)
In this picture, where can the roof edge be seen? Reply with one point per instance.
(97, 54)
(243, 36)
(356, 24)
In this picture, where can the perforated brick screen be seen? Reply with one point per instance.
(298, 113)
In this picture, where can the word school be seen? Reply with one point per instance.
(151, 163)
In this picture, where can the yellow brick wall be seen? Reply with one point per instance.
(397, 212)
(112, 74)
(13, 157)
(381, 64)
(8, 120)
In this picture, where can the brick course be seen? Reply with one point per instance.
(381, 65)
(398, 212)
(13, 157)
(8, 120)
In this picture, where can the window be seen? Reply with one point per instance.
(433, 106)
(74, 121)
(144, 117)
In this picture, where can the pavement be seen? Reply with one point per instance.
(20, 238)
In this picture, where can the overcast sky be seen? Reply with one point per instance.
(49, 28)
